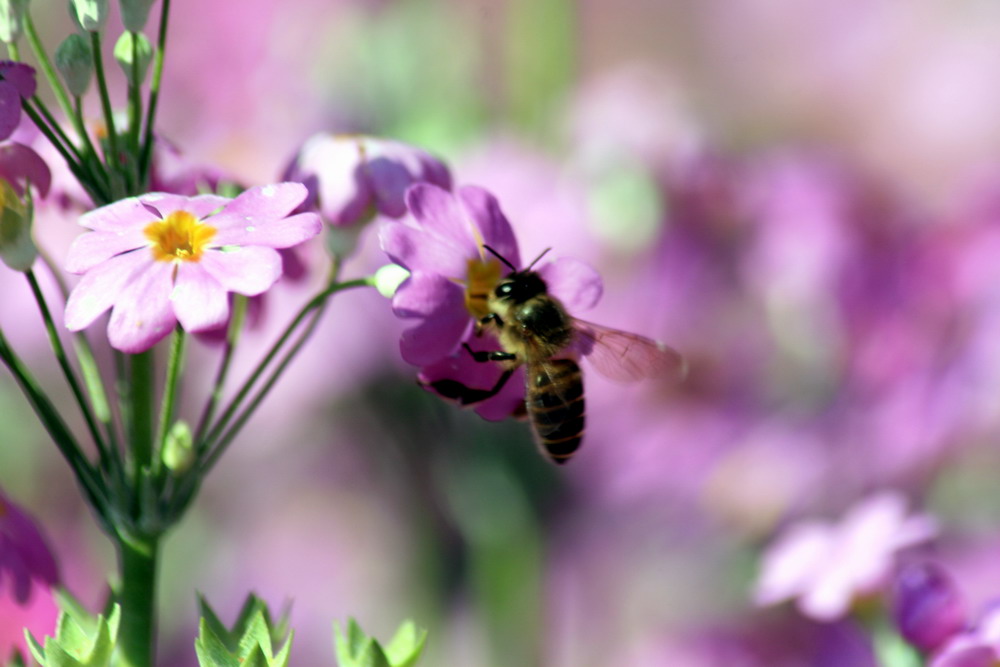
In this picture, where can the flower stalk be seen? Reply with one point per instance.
(138, 559)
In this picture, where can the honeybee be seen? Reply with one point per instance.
(535, 331)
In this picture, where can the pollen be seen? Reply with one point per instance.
(180, 237)
(481, 279)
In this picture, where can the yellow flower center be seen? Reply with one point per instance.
(481, 279)
(179, 237)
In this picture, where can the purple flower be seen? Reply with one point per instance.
(21, 165)
(443, 247)
(978, 647)
(926, 605)
(826, 566)
(25, 559)
(352, 177)
(17, 80)
(159, 259)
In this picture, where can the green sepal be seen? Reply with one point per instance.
(135, 13)
(12, 21)
(143, 54)
(405, 647)
(75, 61)
(249, 643)
(355, 649)
(81, 640)
(90, 15)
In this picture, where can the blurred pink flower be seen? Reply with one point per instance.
(21, 166)
(826, 566)
(25, 558)
(978, 647)
(352, 177)
(452, 274)
(161, 258)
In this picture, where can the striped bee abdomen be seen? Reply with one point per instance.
(554, 398)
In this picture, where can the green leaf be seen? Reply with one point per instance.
(355, 649)
(81, 640)
(210, 649)
(405, 647)
(250, 642)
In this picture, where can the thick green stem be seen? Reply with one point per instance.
(140, 405)
(137, 562)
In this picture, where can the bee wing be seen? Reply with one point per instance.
(626, 357)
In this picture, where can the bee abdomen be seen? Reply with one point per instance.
(556, 405)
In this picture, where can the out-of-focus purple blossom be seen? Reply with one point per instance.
(17, 81)
(25, 558)
(161, 258)
(926, 605)
(977, 647)
(353, 177)
(450, 271)
(173, 171)
(21, 166)
(825, 566)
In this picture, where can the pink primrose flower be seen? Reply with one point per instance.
(17, 80)
(826, 566)
(25, 559)
(352, 177)
(159, 259)
(443, 247)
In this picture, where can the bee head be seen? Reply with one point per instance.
(520, 286)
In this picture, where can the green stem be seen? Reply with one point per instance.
(232, 338)
(134, 98)
(154, 94)
(67, 369)
(174, 365)
(312, 305)
(97, 196)
(46, 66)
(113, 160)
(137, 562)
(140, 409)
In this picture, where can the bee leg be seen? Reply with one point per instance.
(492, 318)
(483, 356)
(457, 391)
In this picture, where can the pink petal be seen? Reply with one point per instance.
(21, 76)
(247, 270)
(199, 206)
(484, 209)
(440, 215)
(198, 300)
(10, 109)
(142, 315)
(282, 233)
(20, 165)
(440, 304)
(124, 214)
(92, 248)
(793, 562)
(99, 289)
(330, 166)
(416, 250)
(462, 368)
(573, 282)
(268, 201)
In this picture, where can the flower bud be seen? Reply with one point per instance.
(90, 15)
(178, 448)
(143, 53)
(17, 248)
(389, 278)
(135, 13)
(75, 62)
(12, 19)
(926, 606)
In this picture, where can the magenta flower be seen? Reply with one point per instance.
(443, 248)
(352, 177)
(159, 259)
(927, 606)
(17, 80)
(21, 165)
(977, 647)
(25, 559)
(825, 566)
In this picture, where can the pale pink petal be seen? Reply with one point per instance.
(829, 598)
(124, 214)
(92, 248)
(440, 215)
(440, 305)
(416, 250)
(100, 288)
(576, 284)
(283, 233)
(266, 201)
(199, 301)
(484, 209)
(142, 315)
(199, 206)
(792, 562)
(246, 270)
(330, 166)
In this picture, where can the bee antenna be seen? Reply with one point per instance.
(535, 261)
(501, 258)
